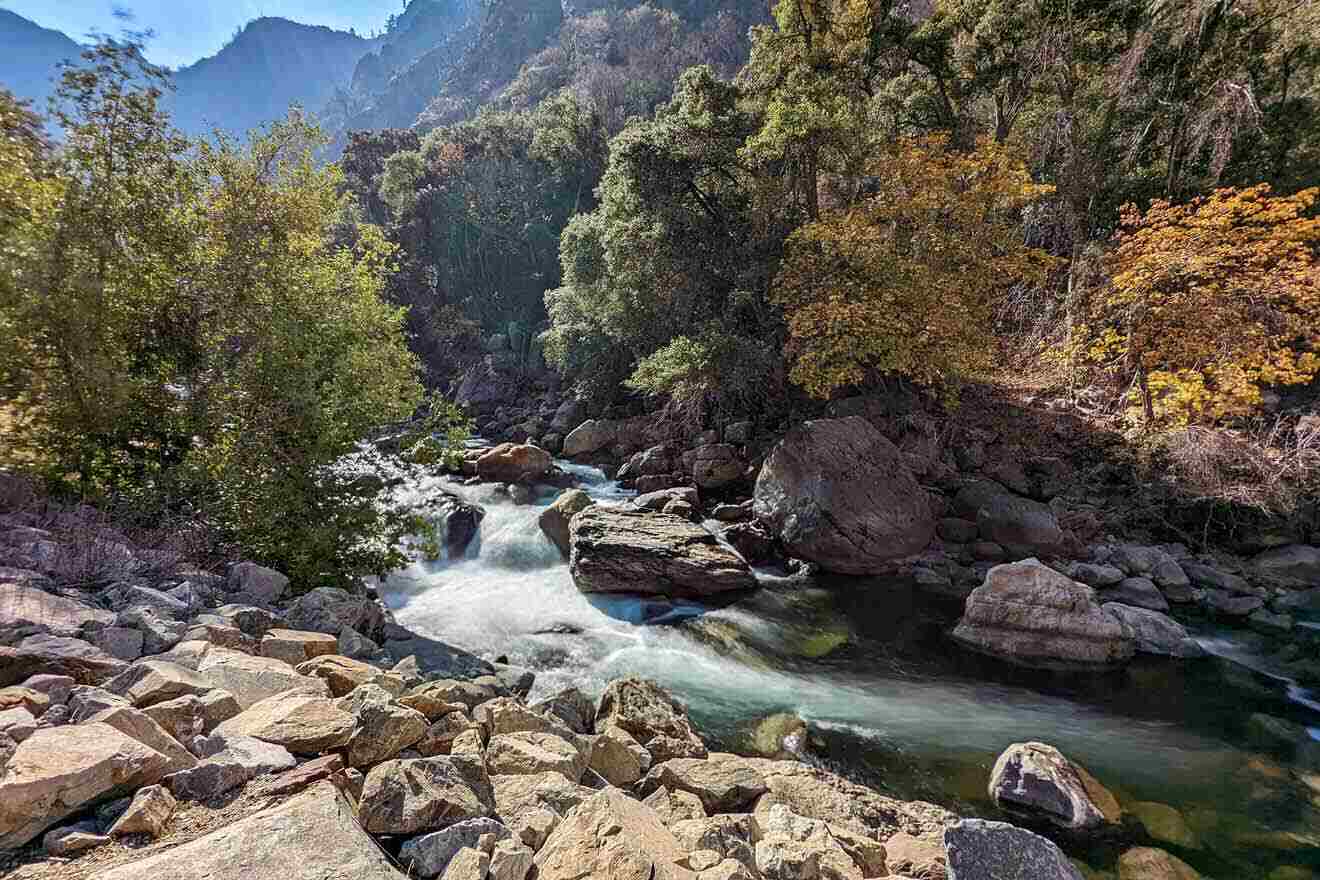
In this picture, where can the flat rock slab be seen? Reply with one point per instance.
(26, 610)
(305, 724)
(59, 770)
(253, 679)
(310, 837)
(616, 550)
(56, 655)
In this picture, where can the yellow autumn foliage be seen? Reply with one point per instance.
(1211, 302)
(905, 280)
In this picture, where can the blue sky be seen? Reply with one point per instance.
(190, 29)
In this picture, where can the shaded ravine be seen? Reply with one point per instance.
(888, 696)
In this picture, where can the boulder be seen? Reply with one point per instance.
(121, 642)
(1023, 527)
(343, 674)
(526, 753)
(239, 759)
(17, 723)
(510, 860)
(1035, 781)
(435, 698)
(71, 840)
(149, 682)
(618, 757)
(1029, 614)
(60, 770)
(590, 436)
(510, 463)
(555, 518)
(305, 724)
(615, 550)
(384, 728)
(1296, 566)
(531, 805)
(662, 498)
(1211, 578)
(86, 700)
(568, 416)
(1162, 822)
(330, 609)
(728, 836)
(982, 850)
(1156, 633)
(714, 465)
(920, 858)
(675, 806)
(468, 864)
(56, 655)
(159, 633)
(508, 715)
(423, 794)
(725, 783)
(430, 854)
(147, 814)
(612, 837)
(840, 854)
(650, 716)
(141, 727)
(1138, 592)
(838, 493)
(575, 709)
(36, 702)
(440, 736)
(252, 679)
(26, 610)
(295, 646)
(256, 583)
(312, 836)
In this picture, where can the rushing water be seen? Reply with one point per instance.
(889, 698)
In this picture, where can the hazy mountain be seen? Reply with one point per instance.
(31, 54)
(270, 64)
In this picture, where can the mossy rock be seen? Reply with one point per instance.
(1165, 824)
(779, 736)
(820, 644)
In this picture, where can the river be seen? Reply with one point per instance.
(890, 700)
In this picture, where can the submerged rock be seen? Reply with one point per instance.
(1029, 614)
(838, 493)
(1148, 863)
(636, 551)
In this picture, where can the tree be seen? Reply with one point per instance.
(905, 280)
(1210, 302)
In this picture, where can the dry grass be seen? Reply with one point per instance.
(1271, 468)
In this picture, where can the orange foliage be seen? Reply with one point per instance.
(905, 280)
(1212, 301)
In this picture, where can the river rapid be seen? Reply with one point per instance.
(890, 700)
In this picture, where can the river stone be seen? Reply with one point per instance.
(56, 655)
(1139, 592)
(1029, 614)
(612, 837)
(343, 674)
(1037, 782)
(253, 679)
(138, 725)
(1156, 633)
(305, 724)
(527, 752)
(26, 610)
(571, 706)
(714, 465)
(982, 850)
(838, 493)
(725, 783)
(616, 550)
(149, 682)
(436, 698)
(1098, 576)
(147, 814)
(1296, 566)
(312, 836)
(1148, 863)
(1162, 822)
(71, 840)
(590, 436)
(554, 519)
(653, 718)
(58, 771)
(1023, 527)
(420, 794)
(430, 854)
(510, 860)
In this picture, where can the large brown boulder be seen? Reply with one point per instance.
(838, 493)
(305, 724)
(612, 837)
(656, 720)
(310, 837)
(616, 550)
(1037, 782)
(1029, 614)
(424, 794)
(513, 463)
(57, 771)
